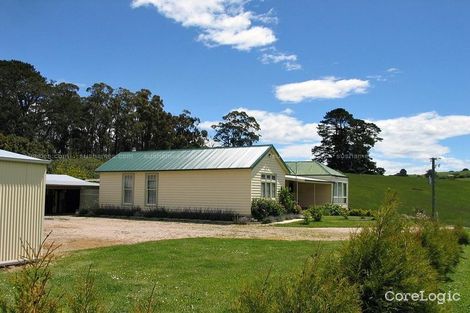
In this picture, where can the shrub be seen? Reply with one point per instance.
(318, 288)
(462, 235)
(360, 213)
(109, 210)
(333, 209)
(441, 244)
(286, 199)
(262, 208)
(189, 213)
(297, 209)
(316, 212)
(307, 217)
(387, 256)
(201, 214)
(32, 285)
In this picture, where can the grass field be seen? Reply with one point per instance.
(461, 283)
(192, 275)
(332, 221)
(453, 196)
(198, 275)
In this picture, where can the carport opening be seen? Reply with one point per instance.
(62, 201)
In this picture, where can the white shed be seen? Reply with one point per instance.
(22, 197)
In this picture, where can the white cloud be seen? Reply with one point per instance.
(327, 88)
(282, 127)
(418, 136)
(278, 127)
(297, 152)
(288, 60)
(408, 142)
(221, 22)
(393, 70)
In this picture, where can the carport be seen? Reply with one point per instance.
(66, 194)
(310, 191)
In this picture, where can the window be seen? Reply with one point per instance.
(151, 192)
(340, 192)
(268, 186)
(128, 189)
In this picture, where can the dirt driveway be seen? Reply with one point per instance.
(74, 233)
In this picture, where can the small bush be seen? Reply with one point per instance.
(316, 212)
(462, 235)
(307, 217)
(297, 209)
(32, 284)
(286, 199)
(262, 208)
(387, 257)
(442, 246)
(318, 288)
(360, 213)
(333, 209)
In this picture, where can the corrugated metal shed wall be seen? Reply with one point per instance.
(22, 198)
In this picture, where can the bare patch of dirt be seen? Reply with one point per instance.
(75, 233)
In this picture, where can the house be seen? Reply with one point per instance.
(22, 196)
(66, 194)
(317, 170)
(207, 178)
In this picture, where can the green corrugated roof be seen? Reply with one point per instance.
(312, 168)
(187, 159)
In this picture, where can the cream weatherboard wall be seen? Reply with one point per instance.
(269, 164)
(22, 198)
(198, 189)
(217, 189)
(110, 189)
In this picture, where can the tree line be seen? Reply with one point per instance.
(39, 116)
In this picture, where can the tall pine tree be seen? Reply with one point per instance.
(346, 143)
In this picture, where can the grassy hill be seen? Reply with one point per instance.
(453, 196)
(462, 175)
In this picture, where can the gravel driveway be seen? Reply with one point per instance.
(74, 233)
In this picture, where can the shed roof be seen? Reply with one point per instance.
(188, 159)
(16, 157)
(66, 180)
(312, 168)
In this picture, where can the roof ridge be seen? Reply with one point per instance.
(200, 148)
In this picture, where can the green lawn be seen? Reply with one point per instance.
(192, 275)
(453, 196)
(198, 275)
(461, 284)
(332, 221)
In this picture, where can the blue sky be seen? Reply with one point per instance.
(402, 64)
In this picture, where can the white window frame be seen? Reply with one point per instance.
(147, 190)
(132, 189)
(340, 192)
(268, 186)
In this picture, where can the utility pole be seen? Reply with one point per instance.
(433, 186)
